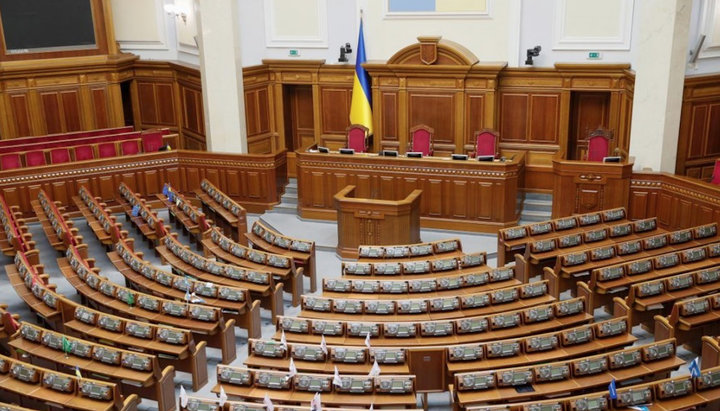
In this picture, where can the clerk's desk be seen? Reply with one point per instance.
(592, 186)
(466, 195)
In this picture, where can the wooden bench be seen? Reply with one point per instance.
(103, 224)
(508, 324)
(14, 235)
(31, 284)
(516, 239)
(262, 285)
(573, 266)
(144, 219)
(544, 253)
(424, 309)
(283, 387)
(134, 373)
(650, 297)
(57, 226)
(183, 213)
(451, 247)
(206, 323)
(196, 403)
(570, 376)
(269, 354)
(301, 251)
(455, 285)
(216, 244)
(682, 392)
(689, 320)
(43, 389)
(230, 216)
(141, 275)
(439, 267)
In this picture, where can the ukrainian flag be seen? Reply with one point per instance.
(361, 106)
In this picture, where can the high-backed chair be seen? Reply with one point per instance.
(129, 147)
(716, 173)
(83, 153)
(151, 142)
(106, 150)
(35, 158)
(421, 139)
(598, 144)
(486, 143)
(10, 161)
(59, 156)
(357, 138)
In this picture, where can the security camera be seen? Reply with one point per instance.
(533, 52)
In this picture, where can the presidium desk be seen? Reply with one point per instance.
(466, 195)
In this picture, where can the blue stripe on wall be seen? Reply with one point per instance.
(411, 5)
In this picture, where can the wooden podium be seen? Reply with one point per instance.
(587, 186)
(368, 221)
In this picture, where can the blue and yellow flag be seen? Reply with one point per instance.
(361, 106)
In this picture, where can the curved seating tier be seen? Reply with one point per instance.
(136, 210)
(206, 323)
(14, 235)
(35, 387)
(234, 302)
(223, 248)
(549, 379)
(407, 252)
(195, 404)
(417, 268)
(230, 216)
(133, 372)
(57, 226)
(261, 284)
(283, 387)
(301, 251)
(184, 213)
(103, 224)
(689, 320)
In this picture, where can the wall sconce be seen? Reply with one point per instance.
(173, 9)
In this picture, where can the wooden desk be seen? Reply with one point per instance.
(595, 186)
(375, 221)
(457, 195)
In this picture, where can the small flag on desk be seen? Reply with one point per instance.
(77, 372)
(183, 396)
(223, 396)
(374, 370)
(268, 403)
(315, 404)
(323, 345)
(187, 295)
(130, 299)
(639, 407)
(166, 190)
(695, 368)
(136, 210)
(66, 346)
(293, 369)
(283, 341)
(367, 340)
(612, 389)
(337, 381)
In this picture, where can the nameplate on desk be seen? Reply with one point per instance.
(413, 154)
(611, 159)
(485, 158)
(459, 157)
(347, 151)
(323, 150)
(389, 153)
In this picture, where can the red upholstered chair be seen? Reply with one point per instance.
(10, 161)
(35, 158)
(486, 143)
(421, 139)
(715, 174)
(152, 142)
(83, 153)
(598, 145)
(129, 147)
(357, 138)
(59, 156)
(106, 150)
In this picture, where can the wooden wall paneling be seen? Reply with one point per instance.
(475, 115)
(514, 108)
(698, 145)
(335, 115)
(19, 113)
(436, 109)
(589, 111)
(388, 120)
(544, 118)
(101, 117)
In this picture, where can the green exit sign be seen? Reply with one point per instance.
(594, 55)
(294, 53)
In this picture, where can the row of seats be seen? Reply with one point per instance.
(103, 224)
(429, 250)
(57, 226)
(691, 319)
(14, 236)
(230, 216)
(183, 213)
(66, 136)
(78, 150)
(142, 216)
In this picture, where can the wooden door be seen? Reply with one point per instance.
(300, 129)
(589, 110)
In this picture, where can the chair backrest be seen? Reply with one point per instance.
(716, 173)
(151, 142)
(59, 156)
(598, 145)
(106, 150)
(129, 147)
(35, 158)
(83, 153)
(357, 138)
(421, 139)
(10, 161)
(486, 143)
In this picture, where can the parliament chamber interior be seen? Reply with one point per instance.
(258, 205)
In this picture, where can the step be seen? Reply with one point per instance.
(535, 216)
(289, 198)
(538, 196)
(285, 208)
(291, 190)
(537, 205)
